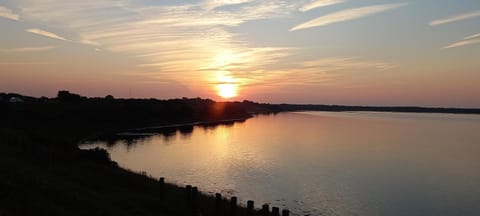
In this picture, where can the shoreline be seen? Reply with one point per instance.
(143, 131)
(386, 111)
(152, 130)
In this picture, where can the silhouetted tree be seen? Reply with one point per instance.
(66, 96)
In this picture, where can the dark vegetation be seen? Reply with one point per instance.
(407, 109)
(43, 172)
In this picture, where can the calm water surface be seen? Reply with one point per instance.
(323, 163)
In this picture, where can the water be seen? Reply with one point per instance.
(323, 163)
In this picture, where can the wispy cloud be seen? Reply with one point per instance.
(456, 18)
(322, 71)
(45, 34)
(89, 42)
(212, 4)
(471, 36)
(346, 15)
(467, 41)
(28, 49)
(26, 63)
(9, 14)
(194, 44)
(319, 3)
(463, 43)
(333, 64)
(188, 42)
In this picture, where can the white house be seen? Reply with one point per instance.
(16, 100)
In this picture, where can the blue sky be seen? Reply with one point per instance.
(321, 51)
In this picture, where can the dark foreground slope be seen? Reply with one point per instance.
(44, 173)
(86, 183)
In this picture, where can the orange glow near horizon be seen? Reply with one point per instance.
(226, 85)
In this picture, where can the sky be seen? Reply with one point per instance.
(351, 52)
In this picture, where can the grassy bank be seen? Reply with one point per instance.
(44, 173)
(51, 182)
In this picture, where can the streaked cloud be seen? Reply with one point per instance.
(319, 3)
(189, 43)
(471, 36)
(192, 44)
(455, 18)
(463, 43)
(333, 64)
(212, 4)
(28, 49)
(26, 63)
(321, 71)
(346, 15)
(468, 40)
(45, 33)
(8, 14)
(88, 42)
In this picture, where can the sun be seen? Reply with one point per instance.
(227, 90)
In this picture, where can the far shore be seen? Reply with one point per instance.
(141, 131)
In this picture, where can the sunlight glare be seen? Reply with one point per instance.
(227, 90)
(223, 58)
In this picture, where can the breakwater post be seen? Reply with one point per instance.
(218, 204)
(250, 207)
(275, 211)
(161, 182)
(265, 209)
(194, 199)
(233, 206)
(188, 197)
(224, 207)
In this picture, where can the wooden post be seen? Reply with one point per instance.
(275, 211)
(250, 207)
(194, 198)
(188, 196)
(285, 212)
(265, 209)
(233, 206)
(161, 182)
(218, 203)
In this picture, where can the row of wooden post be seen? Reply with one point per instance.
(191, 197)
(250, 207)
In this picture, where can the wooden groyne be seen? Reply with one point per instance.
(198, 204)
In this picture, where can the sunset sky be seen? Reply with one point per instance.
(353, 52)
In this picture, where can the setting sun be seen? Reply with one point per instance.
(227, 90)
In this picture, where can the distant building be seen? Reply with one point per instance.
(16, 100)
